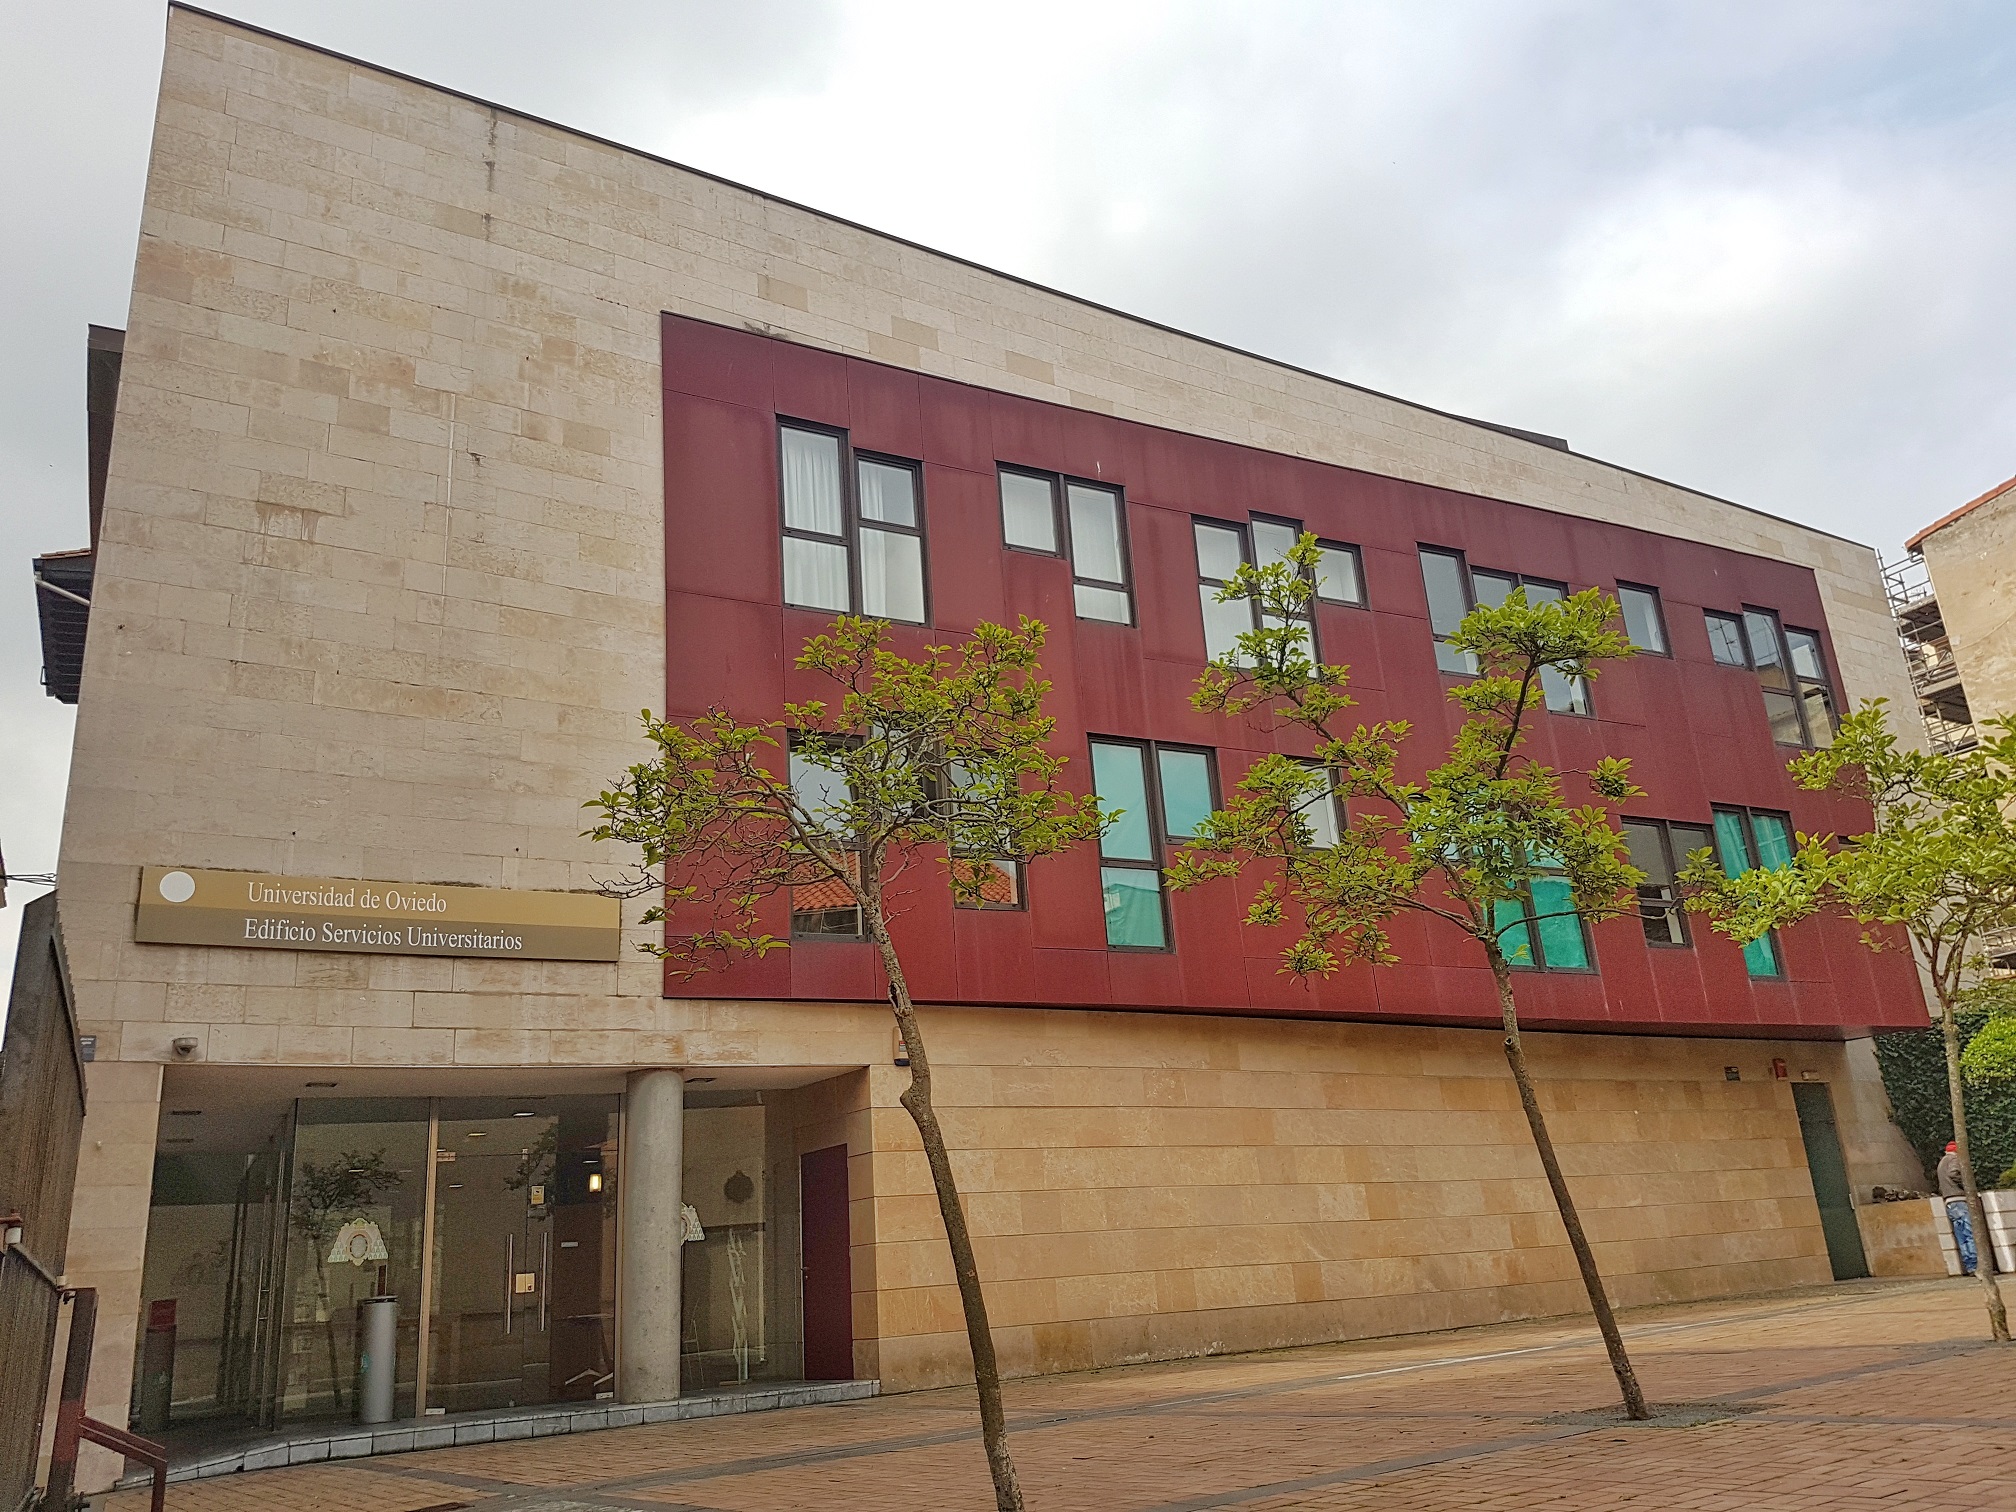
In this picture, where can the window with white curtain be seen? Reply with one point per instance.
(853, 528)
(1090, 528)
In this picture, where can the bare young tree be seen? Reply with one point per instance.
(1487, 843)
(940, 761)
(1938, 863)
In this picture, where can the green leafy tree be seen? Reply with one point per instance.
(1939, 863)
(1488, 843)
(938, 761)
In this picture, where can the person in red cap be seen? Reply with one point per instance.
(1954, 1190)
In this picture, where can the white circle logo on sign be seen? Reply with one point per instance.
(178, 887)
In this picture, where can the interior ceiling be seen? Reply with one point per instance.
(219, 1109)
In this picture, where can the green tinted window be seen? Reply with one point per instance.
(1514, 942)
(1186, 791)
(1120, 782)
(1760, 956)
(1733, 844)
(1133, 901)
(1562, 947)
(1774, 840)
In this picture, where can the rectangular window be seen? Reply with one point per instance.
(997, 880)
(1029, 511)
(1164, 793)
(1222, 548)
(1340, 574)
(1545, 933)
(853, 528)
(983, 875)
(1094, 522)
(1809, 677)
(1448, 601)
(1791, 673)
(1644, 620)
(1322, 811)
(823, 906)
(1098, 553)
(1455, 588)
(1746, 838)
(1660, 849)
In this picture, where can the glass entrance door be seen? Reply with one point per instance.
(523, 1274)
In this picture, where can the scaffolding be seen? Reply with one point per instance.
(1935, 676)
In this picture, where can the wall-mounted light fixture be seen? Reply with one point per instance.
(10, 1229)
(594, 1181)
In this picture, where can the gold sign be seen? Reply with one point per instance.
(184, 906)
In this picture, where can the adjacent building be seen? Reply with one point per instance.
(446, 439)
(1952, 597)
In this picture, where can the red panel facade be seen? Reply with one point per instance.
(1695, 731)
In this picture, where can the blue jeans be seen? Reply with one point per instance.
(1963, 1233)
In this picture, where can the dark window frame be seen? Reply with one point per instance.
(1061, 484)
(1058, 524)
(1747, 815)
(851, 521)
(1796, 685)
(1537, 949)
(1125, 587)
(1357, 555)
(1210, 755)
(1466, 575)
(1248, 558)
(1669, 906)
(1021, 903)
(1159, 840)
(859, 935)
(1658, 617)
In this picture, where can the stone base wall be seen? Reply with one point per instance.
(1142, 1187)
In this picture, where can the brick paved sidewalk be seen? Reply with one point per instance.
(1875, 1395)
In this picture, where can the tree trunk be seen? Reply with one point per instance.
(979, 1337)
(1585, 1258)
(1984, 1243)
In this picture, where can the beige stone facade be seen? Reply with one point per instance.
(380, 592)
(1972, 560)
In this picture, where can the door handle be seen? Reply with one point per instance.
(545, 1271)
(510, 1277)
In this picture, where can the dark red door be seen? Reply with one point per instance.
(829, 1281)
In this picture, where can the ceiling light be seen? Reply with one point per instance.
(318, 1084)
(477, 1134)
(524, 1113)
(185, 1112)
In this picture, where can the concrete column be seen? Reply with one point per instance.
(649, 1198)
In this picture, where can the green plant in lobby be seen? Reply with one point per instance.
(937, 761)
(1487, 843)
(1938, 863)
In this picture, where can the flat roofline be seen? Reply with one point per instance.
(1531, 438)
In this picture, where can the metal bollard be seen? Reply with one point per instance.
(378, 1365)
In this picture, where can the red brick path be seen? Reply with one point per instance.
(1874, 1396)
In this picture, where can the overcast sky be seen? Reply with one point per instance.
(1760, 248)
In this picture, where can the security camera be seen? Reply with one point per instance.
(185, 1047)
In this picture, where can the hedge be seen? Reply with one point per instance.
(1914, 1074)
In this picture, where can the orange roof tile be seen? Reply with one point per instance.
(1940, 524)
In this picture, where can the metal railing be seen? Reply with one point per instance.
(74, 1427)
(31, 1304)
